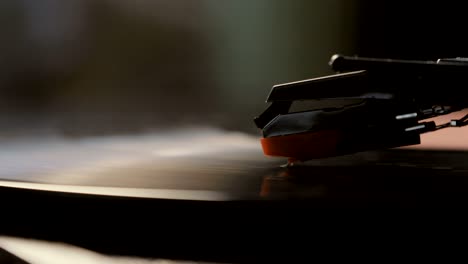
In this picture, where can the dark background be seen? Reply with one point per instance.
(98, 67)
(411, 30)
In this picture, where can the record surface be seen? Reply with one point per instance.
(211, 164)
(194, 193)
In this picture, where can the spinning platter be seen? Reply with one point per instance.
(116, 193)
(204, 164)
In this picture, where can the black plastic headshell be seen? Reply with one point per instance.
(393, 97)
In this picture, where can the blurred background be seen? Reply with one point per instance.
(91, 67)
(151, 68)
